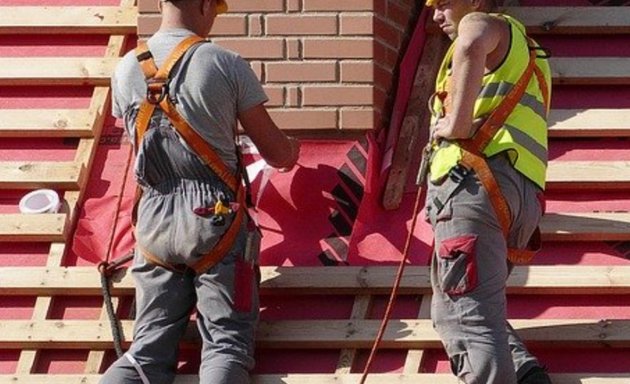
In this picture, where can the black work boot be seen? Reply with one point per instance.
(536, 375)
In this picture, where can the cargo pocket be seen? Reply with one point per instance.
(457, 266)
(460, 366)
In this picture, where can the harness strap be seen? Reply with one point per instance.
(157, 95)
(473, 158)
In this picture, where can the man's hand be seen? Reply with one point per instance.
(294, 147)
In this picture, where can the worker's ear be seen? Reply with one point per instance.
(476, 3)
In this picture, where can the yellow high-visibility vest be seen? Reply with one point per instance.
(524, 134)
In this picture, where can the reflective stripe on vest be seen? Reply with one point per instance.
(524, 134)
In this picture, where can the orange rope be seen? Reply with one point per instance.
(394, 293)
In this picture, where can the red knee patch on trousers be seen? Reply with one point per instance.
(244, 275)
(457, 265)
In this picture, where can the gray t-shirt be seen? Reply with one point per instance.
(210, 86)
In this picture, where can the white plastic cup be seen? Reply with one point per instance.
(40, 201)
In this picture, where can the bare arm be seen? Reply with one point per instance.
(478, 46)
(275, 147)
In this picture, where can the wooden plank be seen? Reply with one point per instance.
(68, 20)
(589, 123)
(43, 174)
(318, 334)
(95, 359)
(573, 20)
(415, 357)
(360, 310)
(581, 175)
(414, 131)
(613, 226)
(41, 227)
(56, 70)
(45, 123)
(590, 70)
(43, 305)
(322, 378)
(565, 279)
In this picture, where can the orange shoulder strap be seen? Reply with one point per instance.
(157, 92)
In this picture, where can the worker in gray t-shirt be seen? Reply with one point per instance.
(211, 89)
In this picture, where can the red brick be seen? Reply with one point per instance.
(251, 48)
(299, 24)
(386, 33)
(338, 5)
(304, 118)
(357, 71)
(382, 77)
(307, 71)
(246, 6)
(337, 95)
(293, 97)
(359, 48)
(399, 14)
(149, 23)
(146, 6)
(355, 118)
(255, 25)
(258, 69)
(294, 49)
(353, 24)
(294, 5)
(275, 95)
(235, 6)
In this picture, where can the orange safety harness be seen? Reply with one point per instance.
(474, 159)
(158, 97)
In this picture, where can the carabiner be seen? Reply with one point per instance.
(152, 96)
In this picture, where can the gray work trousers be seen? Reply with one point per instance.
(469, 270)
(226, 299)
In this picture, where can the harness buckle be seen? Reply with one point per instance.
(153, 97)
(458, 173)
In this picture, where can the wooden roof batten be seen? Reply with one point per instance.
(318, 334)
(374, 280)
(109, 20)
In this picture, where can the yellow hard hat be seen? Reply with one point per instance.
(431, 3)
(222, 6)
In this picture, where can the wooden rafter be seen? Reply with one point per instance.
(68, 20)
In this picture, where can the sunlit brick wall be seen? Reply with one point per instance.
(326, 65)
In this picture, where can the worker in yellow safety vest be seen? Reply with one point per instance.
(486, 177)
